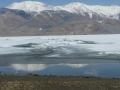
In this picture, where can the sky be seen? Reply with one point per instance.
(4, 3)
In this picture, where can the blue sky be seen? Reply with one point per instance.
(4, 3)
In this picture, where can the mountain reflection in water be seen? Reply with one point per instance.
(98, 70)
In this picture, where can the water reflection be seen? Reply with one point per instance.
(99, 70)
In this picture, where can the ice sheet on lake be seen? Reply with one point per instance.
(57, 46)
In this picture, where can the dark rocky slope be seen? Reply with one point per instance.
(20, 23)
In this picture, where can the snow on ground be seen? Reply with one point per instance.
(64, 44)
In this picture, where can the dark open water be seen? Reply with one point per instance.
(76, 66)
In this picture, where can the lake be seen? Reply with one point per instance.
(74, 55)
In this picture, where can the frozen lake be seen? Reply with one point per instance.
(60, 49)
(85, 55)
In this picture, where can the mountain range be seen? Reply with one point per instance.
(35, 18)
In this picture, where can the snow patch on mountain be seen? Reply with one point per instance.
(80, 8)
(112, 12)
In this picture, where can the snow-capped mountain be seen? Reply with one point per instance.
(36, 18)
(75, 7)
(105, 11)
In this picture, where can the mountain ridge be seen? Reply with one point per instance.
(55, 21)
(112, 12)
